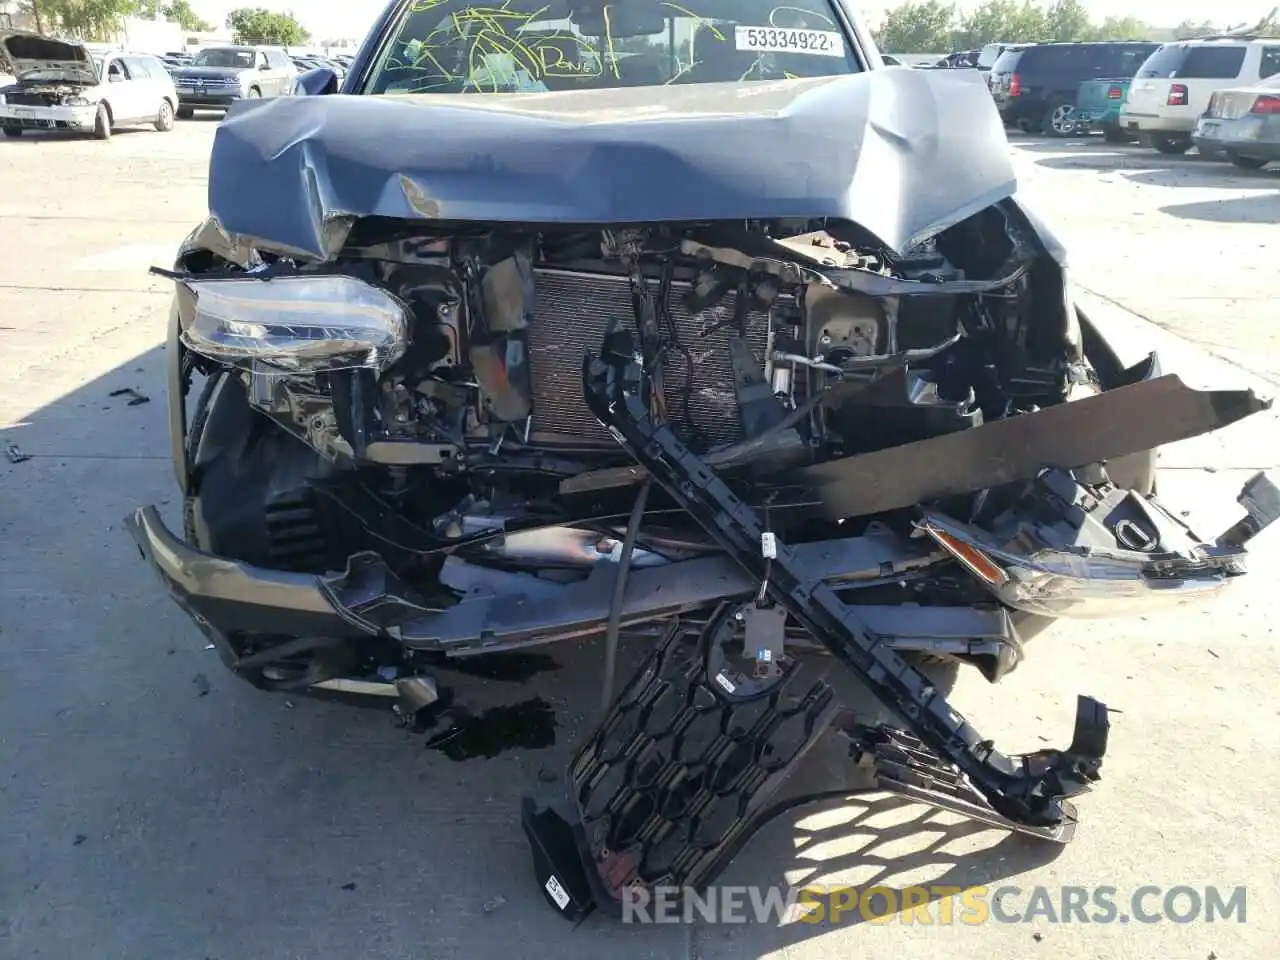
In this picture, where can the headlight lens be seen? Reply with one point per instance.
(298, 324)
(76, 102)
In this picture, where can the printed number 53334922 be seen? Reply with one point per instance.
(820, 43)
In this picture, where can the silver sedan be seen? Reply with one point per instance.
(1244, 124)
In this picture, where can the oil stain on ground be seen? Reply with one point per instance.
(529, 725)
(504, 667)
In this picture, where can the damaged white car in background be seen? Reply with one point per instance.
(58, 86)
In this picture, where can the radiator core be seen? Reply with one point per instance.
(573, 311)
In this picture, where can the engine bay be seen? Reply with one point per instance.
(772, 344)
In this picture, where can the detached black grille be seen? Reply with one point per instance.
(574, 311)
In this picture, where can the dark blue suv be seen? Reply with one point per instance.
(1035, 88)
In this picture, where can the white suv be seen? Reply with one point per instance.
(1172, 89)
(61, 86)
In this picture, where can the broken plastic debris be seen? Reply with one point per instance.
(15, 454)
(135, 398)
(492, 904)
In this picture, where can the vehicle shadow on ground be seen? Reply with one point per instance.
(32, 138)
(1255, 209)
(250, 824)
(1121, 160)
(1042, 144)
(1210, 175)
(1081, 143)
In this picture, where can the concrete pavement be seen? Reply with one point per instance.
(146, 817)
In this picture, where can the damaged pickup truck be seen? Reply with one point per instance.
(693, 326)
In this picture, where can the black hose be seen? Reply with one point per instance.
(619, 592)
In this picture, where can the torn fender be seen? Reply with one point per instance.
(1116, 423)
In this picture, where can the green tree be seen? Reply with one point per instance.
(1121, 28)
(1189, 29)
(925, 26)
(1068, 20)
(265, 26)
(85, 19)
(180, 12)
(1006, 20)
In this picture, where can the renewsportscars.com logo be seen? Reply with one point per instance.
(937, 904)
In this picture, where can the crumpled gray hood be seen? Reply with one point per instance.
(904, 153)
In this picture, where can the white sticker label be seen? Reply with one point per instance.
(817, 43)
(769, 546)
(725, 682)
(557, 892)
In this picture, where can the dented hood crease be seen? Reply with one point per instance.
(904, 153)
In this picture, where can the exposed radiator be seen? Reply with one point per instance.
(574, 311)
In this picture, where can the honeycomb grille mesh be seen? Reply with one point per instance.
(572, 314)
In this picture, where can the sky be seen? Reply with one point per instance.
(329, 19)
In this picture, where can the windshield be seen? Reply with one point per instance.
(1194, 62)
(452, 46)
(989, 55)
(1007, 62)
(242, 59)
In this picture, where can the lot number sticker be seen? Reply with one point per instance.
(558, 893)
(818, 43)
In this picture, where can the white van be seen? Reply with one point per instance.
(1172, 89)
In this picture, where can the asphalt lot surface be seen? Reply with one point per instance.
(153, 807)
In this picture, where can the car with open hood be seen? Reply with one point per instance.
(59, 85)
(697, 329)
(218, 77)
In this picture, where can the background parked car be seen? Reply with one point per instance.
(1036, 87)
(1173, 87)
(60, 86)
(219, 76)
(962, 59)
(1098, 104)
(1244, 124)
(304, 63)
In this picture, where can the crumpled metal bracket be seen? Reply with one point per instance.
(1029, 790)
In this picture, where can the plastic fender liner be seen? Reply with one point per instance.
(1110, 425)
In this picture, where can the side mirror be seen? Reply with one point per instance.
(316, 83)
(264, 67)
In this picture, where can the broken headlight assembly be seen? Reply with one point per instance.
(1105, 553)
(300, 324)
